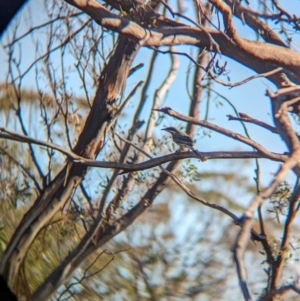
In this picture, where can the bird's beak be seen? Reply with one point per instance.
(163, 129)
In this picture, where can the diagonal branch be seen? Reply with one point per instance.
(246, 118)
(244, 81)
(280, 109)
(11, 135)
(90, 142)
(189, 192)
(249, 16)
(264, 57)
(292, 214)
(281, 292)
(244, 234)
(211, 126)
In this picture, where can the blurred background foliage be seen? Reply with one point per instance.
(178, 249)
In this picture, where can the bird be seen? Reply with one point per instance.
(184, 141)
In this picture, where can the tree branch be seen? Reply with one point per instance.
(228, 133)
(246, 118)
(292, 214)
(280, 292)
(264, 57)
(251, 18)
(242, 82)
(244, 234)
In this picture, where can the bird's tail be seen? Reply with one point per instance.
(198, 154)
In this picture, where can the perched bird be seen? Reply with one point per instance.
(184, 141)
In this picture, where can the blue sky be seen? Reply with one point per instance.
(249, 98)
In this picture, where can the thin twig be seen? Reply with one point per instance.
(188, 191)
(231, 85)
(71, 36)
(292, 214)
(246, 118)
(244, 234)
(169, 111)
(215, 78)
(280, 292)
(7, 134)
(41, 26)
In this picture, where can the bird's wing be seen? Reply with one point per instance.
(186, 140)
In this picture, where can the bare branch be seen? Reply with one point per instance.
(90, 142)
(214, 77)
(25, 170)
(216, 128)
(32, 29)
(190, 193)
(160, 93)
(251, 18)
(228, 20)
(292, 214)
(178, 35)
(265, 242)
(67, 40)
(244, 234)
(10, 135)
(246, 118)
(281, 292)
(242, 82)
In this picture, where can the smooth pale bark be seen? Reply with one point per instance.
(258, 56)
